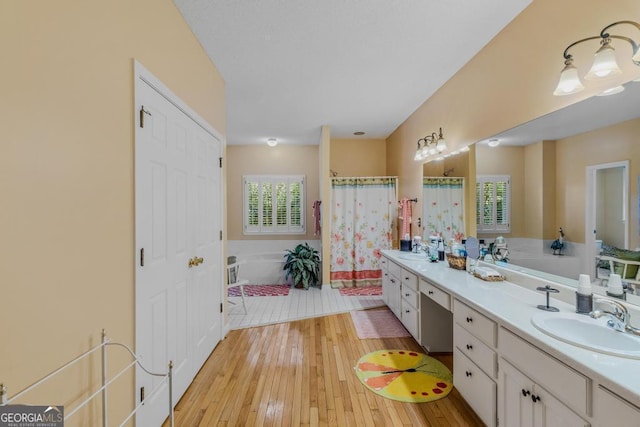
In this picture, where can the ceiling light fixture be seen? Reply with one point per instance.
(272, 142)
(604, 62)
(431, 145)
(358, 133)
(493, 142)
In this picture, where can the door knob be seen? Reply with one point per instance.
(192, 262)
(199, 260)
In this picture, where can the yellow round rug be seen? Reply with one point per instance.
(404, 375)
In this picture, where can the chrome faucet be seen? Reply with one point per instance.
(619, 317)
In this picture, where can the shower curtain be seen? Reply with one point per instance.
(443, 207)
(362, 214)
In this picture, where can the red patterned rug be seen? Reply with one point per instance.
(367, 291)
(261, 291)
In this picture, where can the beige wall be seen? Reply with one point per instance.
(66, 173)
(509, 82)
(359, 157)
(278, 160)
(611, 144)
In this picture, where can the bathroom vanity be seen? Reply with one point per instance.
(509, 371)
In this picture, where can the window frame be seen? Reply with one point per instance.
(273, 228)
(493, 227)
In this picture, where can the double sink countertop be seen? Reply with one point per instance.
(512, 306)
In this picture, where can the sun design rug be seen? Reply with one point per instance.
(378, 324)
(366, 291)
(403, 375)
(261, 291)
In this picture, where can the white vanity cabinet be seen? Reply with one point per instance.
(525, 403)
(474, 360)
(409, 303)
(611, 409)
(391, 273)
(537, 389)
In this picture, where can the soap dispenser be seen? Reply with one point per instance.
(584, 296)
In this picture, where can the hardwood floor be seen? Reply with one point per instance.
(300, 373)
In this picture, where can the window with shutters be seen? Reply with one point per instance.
(273, 204)
(493, 203)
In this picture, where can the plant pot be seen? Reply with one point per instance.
(299, 286)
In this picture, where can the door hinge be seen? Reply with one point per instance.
(221, 308)
(220, 158)
(141, 394)
(142, 113)
(220, 234)
(141, 257)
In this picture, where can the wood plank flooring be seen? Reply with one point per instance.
(300, 373)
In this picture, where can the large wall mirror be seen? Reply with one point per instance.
(576, 169)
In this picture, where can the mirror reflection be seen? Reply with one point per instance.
(563, 189)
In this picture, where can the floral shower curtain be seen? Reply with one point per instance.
(443, 206)
(362, 214)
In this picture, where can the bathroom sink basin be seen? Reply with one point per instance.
(584, 331)
(413, 257)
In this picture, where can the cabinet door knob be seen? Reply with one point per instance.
(430, 292)
(469, 319)
(525, 393)
(407, 311)
(406, 295)
(469, 347)
(468, 373)
(535, 398)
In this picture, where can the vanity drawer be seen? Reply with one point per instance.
(394, 269)
(411, 296)
(410, 319)
(476, 323)
(409, 279)
(476, 387)
(436, 294)
(476, 350)
(567, 385)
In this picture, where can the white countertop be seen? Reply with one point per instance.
(512, 306)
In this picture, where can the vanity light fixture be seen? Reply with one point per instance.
(604, 63)
(272, 142)
(611, 91)
(431, 145)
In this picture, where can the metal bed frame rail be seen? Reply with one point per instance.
(103, 390)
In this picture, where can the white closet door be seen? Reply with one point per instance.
(178, 213)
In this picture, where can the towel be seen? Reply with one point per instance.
(316, 216)
(405, 216)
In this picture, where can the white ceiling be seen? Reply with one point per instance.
(291, 66)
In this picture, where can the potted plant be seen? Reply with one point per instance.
(302, 264)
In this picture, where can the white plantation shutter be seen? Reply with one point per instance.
(493, 203)
(273, 204)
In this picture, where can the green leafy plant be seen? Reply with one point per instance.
(302, 264)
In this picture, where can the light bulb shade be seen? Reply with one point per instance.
(493, 143)
(418, 156)
(611, 91)
(569, 81)
(604, 63)
(432, 150)
(441, 145)
(272, 142)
